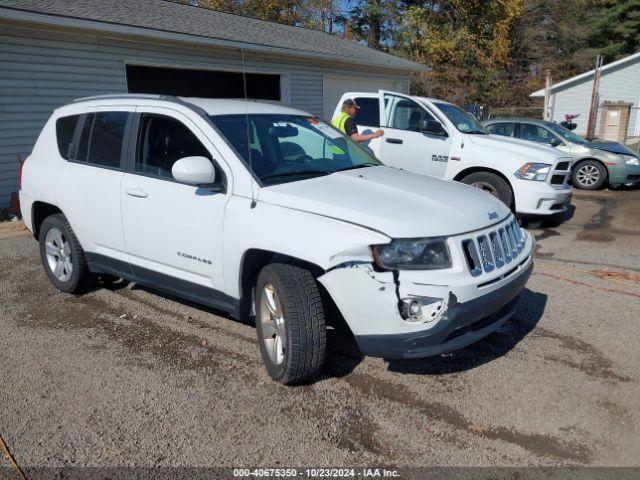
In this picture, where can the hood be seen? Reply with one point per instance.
(522, 149)
(588, 151)
(395, 202)
(613, 147)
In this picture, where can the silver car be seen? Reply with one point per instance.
(596, 163)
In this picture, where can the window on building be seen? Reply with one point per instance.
(202, 83)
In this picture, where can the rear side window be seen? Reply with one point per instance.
(369, 113)
(535, 133)
(506, 129)
(107, 135)
(97, 138)
(65, 131)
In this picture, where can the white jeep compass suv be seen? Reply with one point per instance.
(262, 210)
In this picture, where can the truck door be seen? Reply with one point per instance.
(404, 145)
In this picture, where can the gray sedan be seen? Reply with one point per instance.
(596, 163)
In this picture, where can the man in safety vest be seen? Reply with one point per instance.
(346, 123)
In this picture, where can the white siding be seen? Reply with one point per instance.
(621, 83)
(41, 69)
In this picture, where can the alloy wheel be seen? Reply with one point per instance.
(588, 175)
(58, 253)
(272, 322)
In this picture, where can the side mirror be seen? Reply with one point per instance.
(555, 141)
(194, 171)
(433, 127)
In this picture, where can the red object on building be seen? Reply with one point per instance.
(14, 205)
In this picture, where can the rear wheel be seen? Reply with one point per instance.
(62, 256)
(491, 183)
(589, 175)
(290, 323)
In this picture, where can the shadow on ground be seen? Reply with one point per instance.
(549, 222)
(343, 354)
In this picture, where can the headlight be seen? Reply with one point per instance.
(533, 171)
(631, 160)
(413, 254)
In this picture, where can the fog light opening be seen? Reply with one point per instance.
(422, 309)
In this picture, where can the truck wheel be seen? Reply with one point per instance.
(62, 256)
(589, 175)
(491, 183)
(290, 323)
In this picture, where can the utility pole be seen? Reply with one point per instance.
(547, 95)
(593, 109)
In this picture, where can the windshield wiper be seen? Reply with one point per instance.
(477, 132)
(361, 165)
(295, 173)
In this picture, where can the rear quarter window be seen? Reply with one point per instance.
(65, 129)
(95, 138)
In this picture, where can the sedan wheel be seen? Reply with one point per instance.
(588, 175)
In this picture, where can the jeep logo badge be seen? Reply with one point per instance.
(493, 215)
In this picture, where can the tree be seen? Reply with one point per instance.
(288, 12)
(617, 33)
(465, 42)
(374, 21)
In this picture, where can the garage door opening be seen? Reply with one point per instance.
(201, 83)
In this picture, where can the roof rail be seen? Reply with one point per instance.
(119, 95)
(144, 96)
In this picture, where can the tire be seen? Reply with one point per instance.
(589, 175)
(290, 323)
(491, 183)
(60, 248)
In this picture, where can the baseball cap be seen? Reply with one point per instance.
(349, 102)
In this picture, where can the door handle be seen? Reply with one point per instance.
(136, 192)
(394, 140)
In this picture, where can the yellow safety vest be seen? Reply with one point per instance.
(340, 120)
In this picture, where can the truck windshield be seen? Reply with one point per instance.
(462, 120)
(568, 135)
(286, 148)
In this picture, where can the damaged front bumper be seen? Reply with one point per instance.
(372, 304)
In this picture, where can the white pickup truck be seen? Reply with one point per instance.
(437, 138)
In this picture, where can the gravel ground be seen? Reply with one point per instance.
(122, 376)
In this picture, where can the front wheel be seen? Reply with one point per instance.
(290, 323)
(589, 175)
(492, 184)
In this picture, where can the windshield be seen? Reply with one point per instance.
(568, 135)
(462, 120)
(285, 148)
